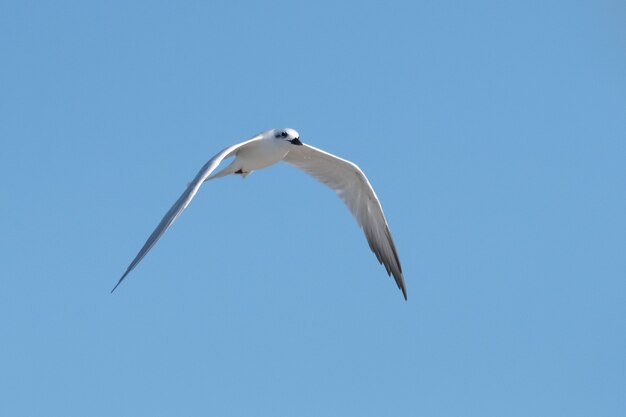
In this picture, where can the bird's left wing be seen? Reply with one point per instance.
(352, 186)
(182, 202)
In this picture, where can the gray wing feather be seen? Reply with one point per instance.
(182, 203)
(352, 186)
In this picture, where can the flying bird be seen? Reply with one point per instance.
(272, 146)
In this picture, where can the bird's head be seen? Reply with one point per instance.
(286, 134)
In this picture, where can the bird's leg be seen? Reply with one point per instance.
(243, 173)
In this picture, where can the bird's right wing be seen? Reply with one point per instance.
(183, 201)
(352, 186)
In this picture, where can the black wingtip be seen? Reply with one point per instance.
(404, 294)
(120, 281)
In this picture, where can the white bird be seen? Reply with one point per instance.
(275, 145)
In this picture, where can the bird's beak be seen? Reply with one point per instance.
(296, 141)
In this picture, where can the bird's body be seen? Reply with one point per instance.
(256, 155)
(261, 154)
(276, 145)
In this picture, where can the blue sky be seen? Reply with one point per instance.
(493, 132)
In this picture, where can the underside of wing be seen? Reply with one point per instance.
(182, 202)
(352, 186)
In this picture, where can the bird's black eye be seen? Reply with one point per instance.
(284, 134)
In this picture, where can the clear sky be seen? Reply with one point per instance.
(494, 134)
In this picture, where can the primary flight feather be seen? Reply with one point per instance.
(274, 145)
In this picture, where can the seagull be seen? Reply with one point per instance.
(272, 146)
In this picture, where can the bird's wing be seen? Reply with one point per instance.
(182, 203)
(352, 186)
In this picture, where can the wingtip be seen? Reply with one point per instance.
(120, 281)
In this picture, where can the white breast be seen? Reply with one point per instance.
(261, 154)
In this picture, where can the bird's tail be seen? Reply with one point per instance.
(230, 169)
